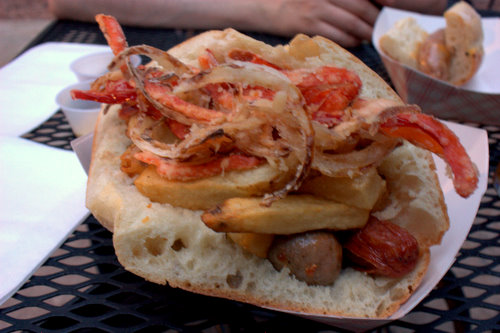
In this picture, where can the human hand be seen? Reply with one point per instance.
(347, 22)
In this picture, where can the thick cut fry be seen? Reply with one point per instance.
(205, 193)
(257, 244)
(362, 191)
(293, 214)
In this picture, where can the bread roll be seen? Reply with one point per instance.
(402, 41)
(171, 245)
(464, 39)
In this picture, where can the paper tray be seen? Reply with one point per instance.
(461, 212)
(476, 101)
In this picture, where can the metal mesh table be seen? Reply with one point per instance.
(82, 287)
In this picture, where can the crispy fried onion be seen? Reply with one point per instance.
(354, 144)
(244, 73)
(169, 105)
(351, 164)
(278, 129)
(162, 58)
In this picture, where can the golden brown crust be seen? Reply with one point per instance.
(104, 153)
(98, 209)
(464, 38)
(403, 294)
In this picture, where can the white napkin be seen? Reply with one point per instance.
(42, 200)
(42, 189)
(29, 84)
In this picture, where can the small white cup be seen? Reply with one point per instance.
(81, 114)
(94, 65)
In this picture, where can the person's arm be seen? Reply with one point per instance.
(156, 13)
(344, 21)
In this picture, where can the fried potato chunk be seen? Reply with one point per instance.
(257, 244)
(362, 191)
(293, 214)
(205, 193)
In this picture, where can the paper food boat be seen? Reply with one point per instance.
(477, 101)
(461, 212)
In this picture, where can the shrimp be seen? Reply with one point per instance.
(328, 91)
(248, 56)
(113, 33)
(427, 132)
(114, 92)
(185, 172)
(162, 95)
(332, 106)
(207, 60)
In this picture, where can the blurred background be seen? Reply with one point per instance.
(20, 22)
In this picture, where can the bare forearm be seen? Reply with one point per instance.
(170, 13)
(346, 22)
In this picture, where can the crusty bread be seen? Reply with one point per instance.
(415, 207)
(166, 244)
(464, 38)
(463, 44)
(403, 40)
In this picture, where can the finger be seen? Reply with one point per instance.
(347, 22)
(336, 34)
(363, 9)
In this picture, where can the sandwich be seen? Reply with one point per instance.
(452, 53)
(289, 176)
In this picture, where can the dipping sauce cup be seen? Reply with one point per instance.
(81, 114)
(92, 66)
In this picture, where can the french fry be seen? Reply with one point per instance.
(206, 192)
(362, 191)
(257, 244)
(293, 214)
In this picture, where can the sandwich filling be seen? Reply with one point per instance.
(302, 128)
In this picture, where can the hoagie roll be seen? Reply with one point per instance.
(236, 169)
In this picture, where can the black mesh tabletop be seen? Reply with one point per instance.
(83, 288)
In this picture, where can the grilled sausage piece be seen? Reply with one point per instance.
(314, 257)
(383, 248)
